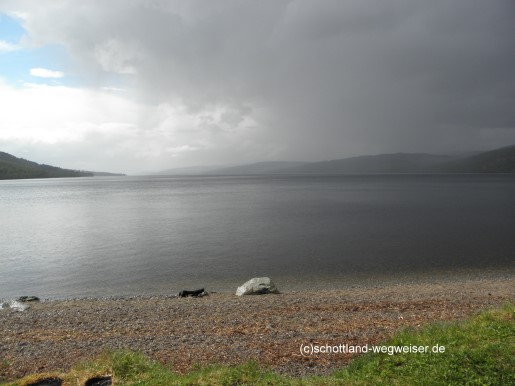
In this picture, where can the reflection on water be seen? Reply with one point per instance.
(127, 235)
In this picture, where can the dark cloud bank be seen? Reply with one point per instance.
(316, 79)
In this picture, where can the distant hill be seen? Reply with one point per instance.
(12, 167)
(256, 168)
(106, 174)
(496, 161)
(190, 170)
(383, 163)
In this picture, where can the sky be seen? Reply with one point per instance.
(138, 86)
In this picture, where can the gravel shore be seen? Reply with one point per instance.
(222, 328)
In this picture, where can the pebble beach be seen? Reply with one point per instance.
(53, 335)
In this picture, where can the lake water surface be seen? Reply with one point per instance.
(147, 235)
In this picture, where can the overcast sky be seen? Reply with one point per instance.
(138, 85)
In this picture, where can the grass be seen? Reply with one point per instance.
(478, 351)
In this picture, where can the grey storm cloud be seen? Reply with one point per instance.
(320, 79)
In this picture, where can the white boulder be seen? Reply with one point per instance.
(257, 286)
(18, 306)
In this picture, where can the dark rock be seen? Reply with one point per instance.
(47, 382)
(195, 293)
(26, 299)
(99, 381)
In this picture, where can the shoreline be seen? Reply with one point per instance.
(292, 284)
(226, 329)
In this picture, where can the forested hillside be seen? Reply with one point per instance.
(12, 167)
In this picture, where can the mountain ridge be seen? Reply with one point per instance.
(256, 168)
(500, 160)
(381, 163)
